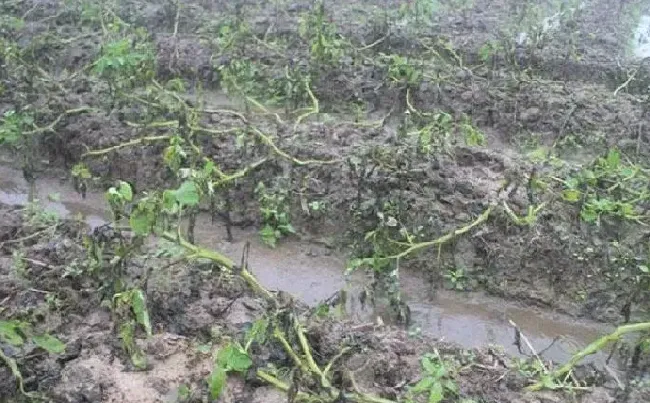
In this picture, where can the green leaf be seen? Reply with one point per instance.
(49, 343)
(139, 306)
(216, 382)
(571, 195)
(429, 366)
(451, 386)
(187, 194)
(288, 229)
(183, 393)
(268, 235)
(589, 215)
(139, 222)
(233, 358)
(437, 393)
(613, 158)
(125, 191)
(424, 385)
(9, 333)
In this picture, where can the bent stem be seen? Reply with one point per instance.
(305, 397)
(593, 348)
(445, 238)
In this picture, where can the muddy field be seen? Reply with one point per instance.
(365, 201)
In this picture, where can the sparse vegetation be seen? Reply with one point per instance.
(395, 129)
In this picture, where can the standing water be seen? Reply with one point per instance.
(312, 274)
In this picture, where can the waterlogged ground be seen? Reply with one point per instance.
(462, 323)
(313, 273)
(551, 86)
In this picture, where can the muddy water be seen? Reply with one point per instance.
(312, 273)
(641, 44)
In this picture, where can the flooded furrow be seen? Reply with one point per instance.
(313, 273)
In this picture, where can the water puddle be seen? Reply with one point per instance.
(641, 44)
(312, 273)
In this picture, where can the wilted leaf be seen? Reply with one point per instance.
(138, 358)
(204, 348)
(183, 393)
(139, 305)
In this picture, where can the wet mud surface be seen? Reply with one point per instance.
(550, 103)
(313, 273)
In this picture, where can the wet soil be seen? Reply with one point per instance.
(564, 94)
(313, 273)
(382, 360)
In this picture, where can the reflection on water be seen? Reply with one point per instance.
(641, 43)
(312, 274)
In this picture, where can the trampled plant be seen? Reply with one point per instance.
(130, 311)
(17, 333)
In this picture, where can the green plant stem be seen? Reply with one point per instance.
(11, 364)
(134, 142)
(267, 140)
(200, 253)
(283, 386)
(222, 260)
(445, 238)
(304, 344)
(225, 178)
(287, 347)
(593, 348)
(352, 397)
(329, 365)
(56, 121)
(312, 111)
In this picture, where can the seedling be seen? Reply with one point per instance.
(231, 358)
(437, 381)
(274, 209)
